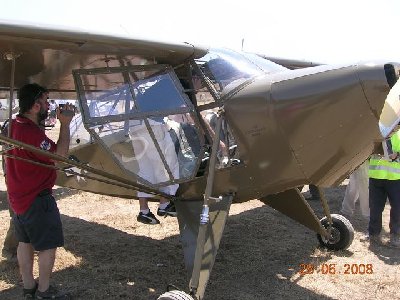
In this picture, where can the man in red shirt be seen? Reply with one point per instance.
(37, 219)
(10, 242)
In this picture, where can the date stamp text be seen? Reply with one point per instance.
(334, 269)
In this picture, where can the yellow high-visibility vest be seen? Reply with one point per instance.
(381, 167)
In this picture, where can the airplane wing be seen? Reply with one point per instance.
(47, 55)
(288, 127)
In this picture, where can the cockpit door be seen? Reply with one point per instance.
(144, 120)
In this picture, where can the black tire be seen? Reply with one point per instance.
(342, 234)
(175, 295)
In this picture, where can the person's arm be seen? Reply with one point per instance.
(210, 128)
(64, 136)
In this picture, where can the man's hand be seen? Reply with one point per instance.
(65, 113)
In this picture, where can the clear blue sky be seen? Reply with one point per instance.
(324, 31)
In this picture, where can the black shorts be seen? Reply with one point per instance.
(41, 224)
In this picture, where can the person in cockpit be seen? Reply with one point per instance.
(151, 96)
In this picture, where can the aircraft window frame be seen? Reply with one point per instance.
(225, 145)
(226, 71)
(93, 123)
(207, 84)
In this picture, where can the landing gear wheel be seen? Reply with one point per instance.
(342, 233)
(175, 295)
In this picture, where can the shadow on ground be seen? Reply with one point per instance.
(260, 252)
(119, 265)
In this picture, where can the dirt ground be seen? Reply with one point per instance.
(109, 255)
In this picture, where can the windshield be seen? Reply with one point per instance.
(229, 70)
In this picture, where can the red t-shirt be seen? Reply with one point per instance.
(24, 179)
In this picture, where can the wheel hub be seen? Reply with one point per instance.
(334, 236)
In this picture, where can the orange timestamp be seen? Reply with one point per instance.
(333, 269)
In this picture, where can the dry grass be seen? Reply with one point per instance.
(108, 255)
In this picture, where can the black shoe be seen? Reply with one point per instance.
(30, 293)
(375, 239)
(52, 293)
(170, 210)
(394, 241)
(148, 218)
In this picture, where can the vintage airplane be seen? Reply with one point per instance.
(242, 126)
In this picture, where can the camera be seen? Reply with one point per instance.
(65, 112)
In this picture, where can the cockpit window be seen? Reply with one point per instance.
(227, 69)
(157, 93)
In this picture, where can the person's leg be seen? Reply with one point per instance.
(46, 264)
(167, 207)
(394, 199)
(143, 204)
(363, 191)
(25, 261)
(350, 196)
(48, 236)
(377, 200)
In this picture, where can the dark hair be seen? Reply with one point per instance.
(28, 94)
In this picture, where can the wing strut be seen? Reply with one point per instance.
(114, 180)
(201, 236)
